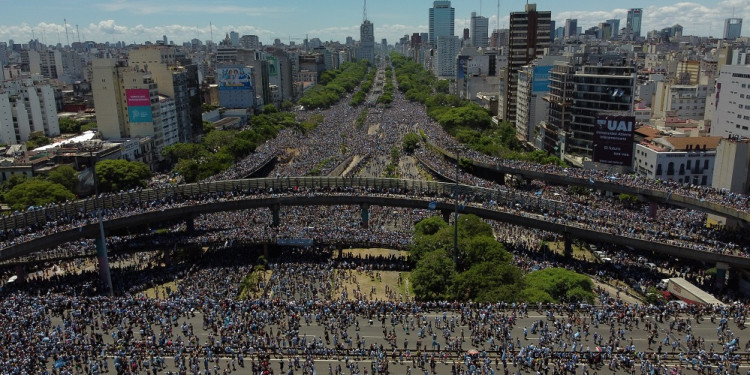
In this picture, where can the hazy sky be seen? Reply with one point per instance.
(136, 21)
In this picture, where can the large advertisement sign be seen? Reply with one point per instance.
(541, 79)
(613, 140)
(235, 78)
(139, 105)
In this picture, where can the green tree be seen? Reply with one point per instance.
(69, 126)
(188, 169)
(36, 192)
(560, 284)
(483, 249)
(432, 276)
(443, 86)
(64, 175)
(488, 282)
(181, 151)
(208, 127)
(269, 108)
(205, 107)
(654, 296)
(628, 199)
(429, 226)
(37, 139)
(473, 226)
(12, 181)
(115, 175)
(88, 126)
(410, 142)
(217, 139)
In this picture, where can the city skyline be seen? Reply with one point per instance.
(140, 21)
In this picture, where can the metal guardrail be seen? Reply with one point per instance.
(662, 196)
(36, 218)
(522, 209)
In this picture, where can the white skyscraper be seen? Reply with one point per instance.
(27, 107)
(732, 116)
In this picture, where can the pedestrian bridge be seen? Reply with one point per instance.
(185, 202)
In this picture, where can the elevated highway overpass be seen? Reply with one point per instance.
(185, 202)
(497, 172)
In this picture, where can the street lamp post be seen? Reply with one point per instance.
(101, 241)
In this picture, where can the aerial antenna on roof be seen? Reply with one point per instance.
(498, 14)
(67, 38)
(364, 12)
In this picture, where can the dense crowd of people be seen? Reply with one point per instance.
(338, 138)
(311, 306)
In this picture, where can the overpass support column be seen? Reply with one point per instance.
(365, 223)
(275, 215)
(101, 254)
(568, 247)
(446, 215)
(190, 224)
(722, 274)
(501, 178)
(20, 273)
(653, 208)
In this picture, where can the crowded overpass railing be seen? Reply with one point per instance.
(596, 182)
(40, 216)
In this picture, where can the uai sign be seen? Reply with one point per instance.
(613, 140)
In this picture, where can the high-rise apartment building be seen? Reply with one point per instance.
(479, 28)
(26, 107)
(447, 50)
(531, 109)
(499, 38)
(128, 105)
(366, 50)
(615, 27)
(31, 62)
(571, 28)
(73, 65)
(578, 94)
(529, 37)
(732, 114)
(633, 26)
(442, 21)
(732, 28)
(234, 38)
(686, 102)
(4, 54)
(174, 81)
(250, 42)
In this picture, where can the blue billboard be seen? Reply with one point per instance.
(235, 78)
(541, 79)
